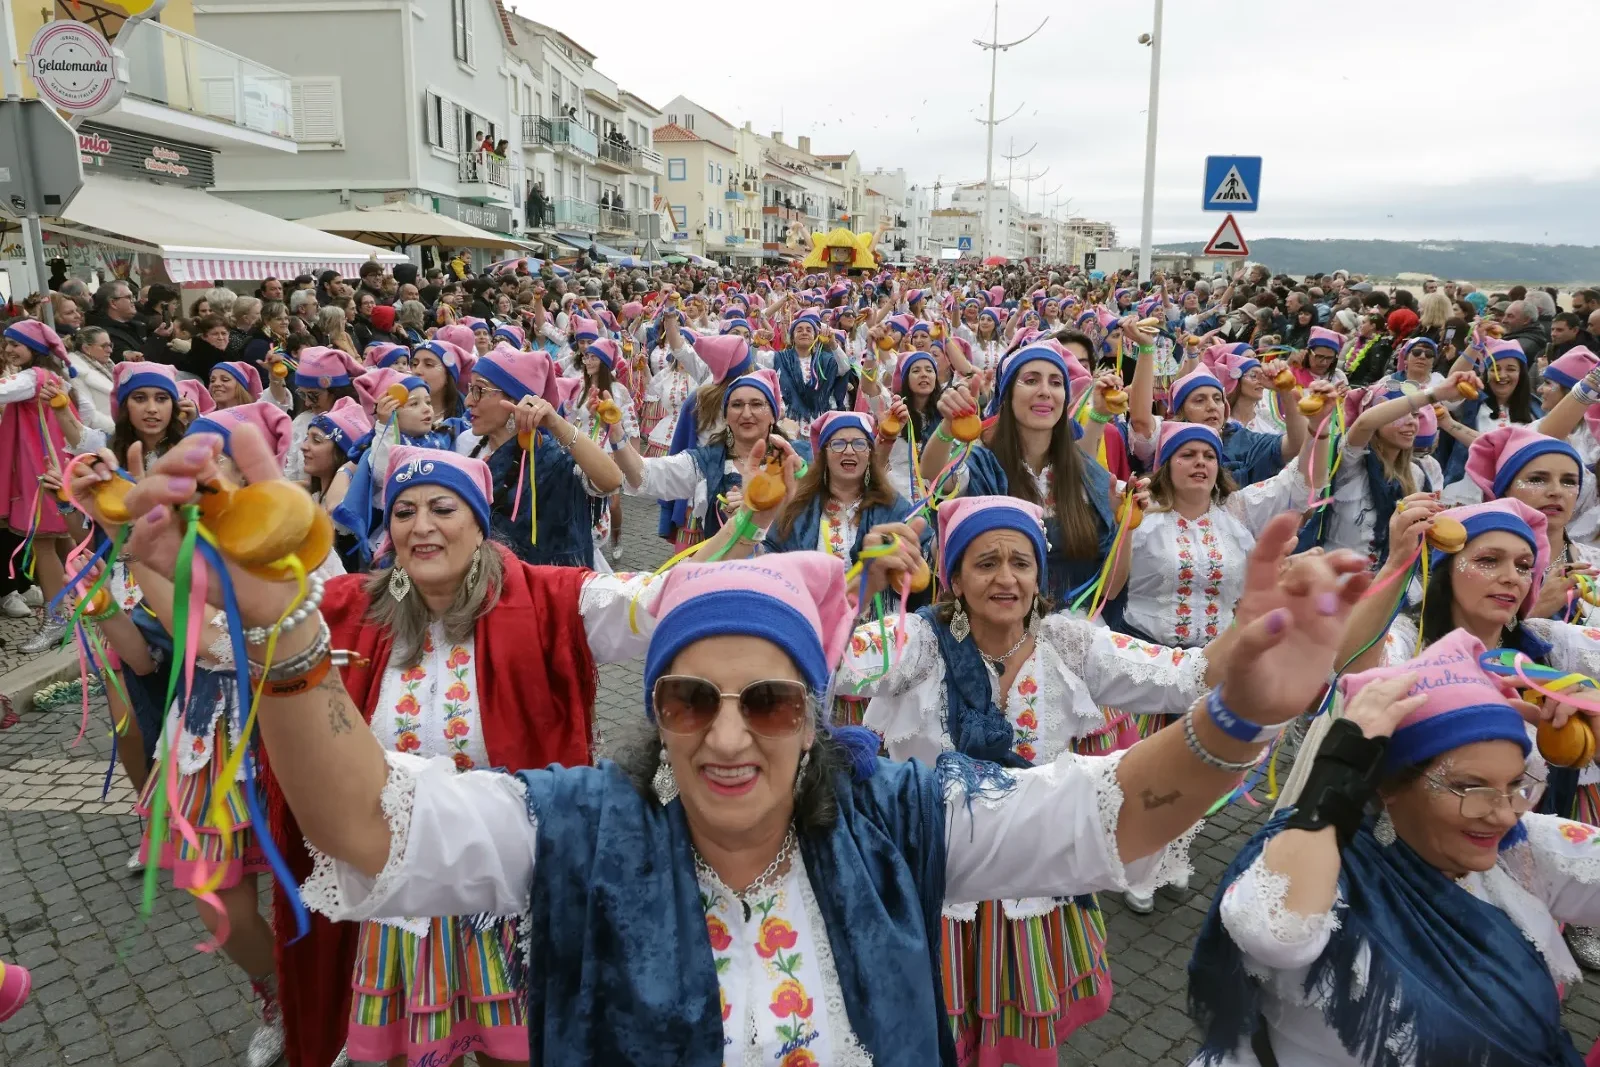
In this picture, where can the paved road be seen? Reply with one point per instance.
(111, 990)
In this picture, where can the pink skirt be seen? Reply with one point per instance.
(230, 846)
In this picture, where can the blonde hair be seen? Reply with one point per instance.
(1396, 468)
(1432, 310)
(408, 620)
(331, 323)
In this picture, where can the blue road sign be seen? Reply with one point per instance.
(1233, 183)
(964, 244)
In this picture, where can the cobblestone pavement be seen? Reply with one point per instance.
(109, 989)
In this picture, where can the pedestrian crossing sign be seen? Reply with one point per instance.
(1233, 183)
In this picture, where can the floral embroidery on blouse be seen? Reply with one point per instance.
(1199, 565)
(433, 706)
(839, 525)
(1025, 721)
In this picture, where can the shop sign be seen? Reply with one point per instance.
(483, 216)
(75, 69)
(107, 150)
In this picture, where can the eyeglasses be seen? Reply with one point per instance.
(1482, 801)
(476, 391)
(688, 705)
(310, 397)
(854, 444)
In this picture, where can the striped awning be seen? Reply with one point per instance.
(203, 238)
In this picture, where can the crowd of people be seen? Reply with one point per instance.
(987, 584)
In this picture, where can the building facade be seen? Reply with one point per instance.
(697, 172)
(432, 123)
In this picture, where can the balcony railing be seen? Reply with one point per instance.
(647, 160)
(571, 211)
(484, 168)
(566, 134)
(615, 220)
(188, 74)
(616, 154)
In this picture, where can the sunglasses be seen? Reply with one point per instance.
(689, 705)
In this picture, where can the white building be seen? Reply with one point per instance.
(396, 101)
(908, 209)
(1005, 231)
(588, 144)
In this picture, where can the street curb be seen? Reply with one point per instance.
(39, 671)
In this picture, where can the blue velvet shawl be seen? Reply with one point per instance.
(803, 400)
(621, 969)
(565, 539)
(1451, 971)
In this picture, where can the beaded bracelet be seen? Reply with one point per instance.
(300, 663)
(259, 635)
(1205, 755)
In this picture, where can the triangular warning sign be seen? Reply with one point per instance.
(1230, 190)
(1227, 241)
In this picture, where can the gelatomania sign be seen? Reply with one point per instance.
(75, 68)
(106, 150)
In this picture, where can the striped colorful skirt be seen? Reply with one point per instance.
(435, 997)
(1119, 732)
(229, 844)
(1586, 805)
(1015, 989)
(652, 449)
(687, 538)
(848, 711)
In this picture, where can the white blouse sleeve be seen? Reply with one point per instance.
(619, 614)
(1566, 856)
(907, 700)
(691, 362)
(460, 844)
(23, 385)
(1256, 915)
(1257, 504)
(666, 478)
(1125, 673)
(1144, 448)
(1053, 834)
(1572, 648)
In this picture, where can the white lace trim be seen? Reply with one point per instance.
(845, 1050)
(917, 659)
(1169, 865)
(1273, 914)
(1508, 886)
(324, 893)
(1070, 638)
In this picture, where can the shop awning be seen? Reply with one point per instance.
(202, 238)
(405, 223)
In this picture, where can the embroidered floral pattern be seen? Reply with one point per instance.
(1199, 568)
(433, 708)
(1024, 714)
(839, 525)
(1578, 832)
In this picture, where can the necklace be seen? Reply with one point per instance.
(997, 663)
(765, 881)
(1556, 563)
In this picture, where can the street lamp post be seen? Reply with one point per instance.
(995, 47)
(1153, 39)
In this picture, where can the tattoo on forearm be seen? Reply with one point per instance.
(1153, 800)
(333, 692)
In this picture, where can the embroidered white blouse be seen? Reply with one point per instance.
(1075, 667)
(1552, 878)
(464, 844)
(1352, 518)
(676, 477)
(1185, 575)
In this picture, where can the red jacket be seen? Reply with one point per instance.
(536, 689)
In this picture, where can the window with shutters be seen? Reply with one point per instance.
(318, 106)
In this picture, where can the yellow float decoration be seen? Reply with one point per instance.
(841, 250)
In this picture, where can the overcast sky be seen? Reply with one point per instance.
(1386, 119)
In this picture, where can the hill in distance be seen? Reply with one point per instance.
(1463, 260)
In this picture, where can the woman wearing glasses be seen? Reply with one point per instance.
(1408, 910)
(445, 622)
(747, 878)
(322, 376)
(541, 493)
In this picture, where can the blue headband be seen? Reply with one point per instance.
(320, 381)
(1322, 342)
(236, 374)
(1011, 365)
(506, 333)
(750, 381)
(30, 343)
(914, 356)
(337, 435)
(808, 318)
(1489, 522)
(734, 611)
(1545, 446)
(848, 420)
(390, 355)
(995, 518)
(1181, 391)
(444, 475)
(1190, 432)
(501, 378)
(145, 379)
(1559, 377)
(1438, 734)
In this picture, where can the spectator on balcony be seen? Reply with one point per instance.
(500, 148)
(535, 206)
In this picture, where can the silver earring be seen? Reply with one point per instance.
(960, 628)
(800, 772)
(1383, 829)
(477, 565)
(664, 783)
(399, 583)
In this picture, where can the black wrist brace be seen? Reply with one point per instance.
(1342, 780)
